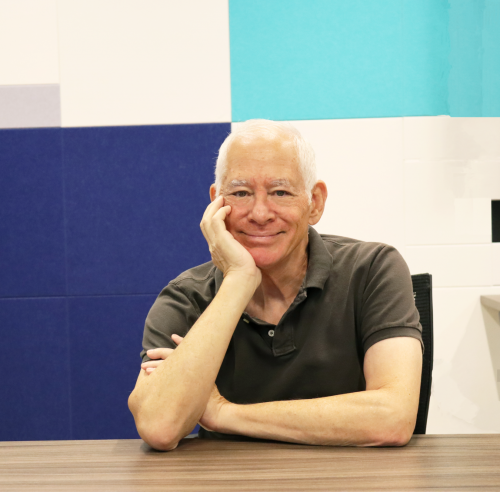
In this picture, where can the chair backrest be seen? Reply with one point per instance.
(422, 291)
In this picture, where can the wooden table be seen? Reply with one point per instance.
(452, 462)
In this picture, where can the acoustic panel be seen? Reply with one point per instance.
(28, 37)
(144, 63)
(30, 106)
(35, 387)
(134, 200)
(323, 59)
(106, 339)
(31, 213)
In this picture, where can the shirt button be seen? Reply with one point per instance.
(271, 333)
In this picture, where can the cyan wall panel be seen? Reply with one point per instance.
(322, 59)
(31, 213)
(35, 388)
(135, 198)
(106, 339)
(425, 63)
(474, 82)
(466, 58)
(491, 58)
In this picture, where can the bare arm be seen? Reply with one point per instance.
(384, 414)
(168, 403)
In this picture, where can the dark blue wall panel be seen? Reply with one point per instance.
(135, 198)
(106, 339)
(31, 213)
(35, 401)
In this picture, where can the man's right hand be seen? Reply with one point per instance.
(227, 254)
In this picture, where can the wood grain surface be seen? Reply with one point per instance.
(451, 462)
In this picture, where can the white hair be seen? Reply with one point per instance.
(270, 129)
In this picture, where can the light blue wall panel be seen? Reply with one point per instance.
(425, 64)
(322, 59)
(466, 57)
(318, 59)
(474, 80)
(491, 58)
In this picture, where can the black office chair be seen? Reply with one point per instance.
(422, 291)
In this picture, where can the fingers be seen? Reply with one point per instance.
(151, 364)
(159, 353)
(177, 338)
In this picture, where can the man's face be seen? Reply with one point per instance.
(269, 205)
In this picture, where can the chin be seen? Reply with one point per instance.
(265, 259)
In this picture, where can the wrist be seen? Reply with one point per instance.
(248, 280)
(225, 418)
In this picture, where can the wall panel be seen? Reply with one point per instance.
(28, 37)
(134, 198)
(106, 339)
(35, 386)
(32, 245)
(144, 63)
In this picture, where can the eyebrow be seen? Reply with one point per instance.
(238, 182)
(280, 182)
(243, 182)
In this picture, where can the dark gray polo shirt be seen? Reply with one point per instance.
(354, 295)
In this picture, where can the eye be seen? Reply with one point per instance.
(281, 192)
(240, 194)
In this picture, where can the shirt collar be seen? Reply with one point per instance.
(320, 261)
(318, 268)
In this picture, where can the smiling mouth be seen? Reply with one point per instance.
(260, 235)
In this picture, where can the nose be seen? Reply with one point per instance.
(261, 212)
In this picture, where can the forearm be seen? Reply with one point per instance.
(168, 403)
(367, 418)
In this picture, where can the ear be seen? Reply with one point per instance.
(319, 194)
(212, 193)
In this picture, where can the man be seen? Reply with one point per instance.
(286, 334)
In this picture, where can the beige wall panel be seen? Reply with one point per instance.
(28, 42)
(465, 394)
(144, 62)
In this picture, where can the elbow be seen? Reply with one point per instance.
(394, 437)
(394, 434)
(161, 441)
(159, 436)
(395, 431)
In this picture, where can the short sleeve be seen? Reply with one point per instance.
(388, 307)
(173, 312)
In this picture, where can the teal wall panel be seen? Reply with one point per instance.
(318, 59)
(466, 53)
(424, 64)
(321, 59)
(491, 58)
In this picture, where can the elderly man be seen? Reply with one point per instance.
(286, 334)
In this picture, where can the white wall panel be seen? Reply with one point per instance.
(453, 266)
(465, 395)
(433, 138)
(361, 162)
(449, 201)
(28, 42)
(140, 63)
(495, 263)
